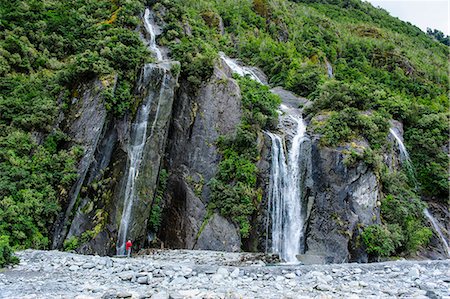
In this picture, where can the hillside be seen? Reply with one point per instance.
(359, 69)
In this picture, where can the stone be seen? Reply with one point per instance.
(127, 275)
(142, 280)
(88, 266)
(74, 268)
(290, 275)
(161, 295)
(235, 273)
(414, 273)
(124, 294)
(223, 271)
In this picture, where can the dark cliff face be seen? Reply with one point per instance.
(199, 118)
(97, 211)
(346, 199)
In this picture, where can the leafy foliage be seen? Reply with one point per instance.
(47, 48)
(155, 213)
(6, 253)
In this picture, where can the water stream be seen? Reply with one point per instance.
(438, 230)
(406, 160)
(150, 30)
(240, 70)
(287, 168)
(286, 193)
(138, 136)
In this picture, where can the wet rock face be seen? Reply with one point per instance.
(345, 198)
(199, 119)
(100, 204)
(84, 126)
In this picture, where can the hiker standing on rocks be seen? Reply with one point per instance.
(128, 248)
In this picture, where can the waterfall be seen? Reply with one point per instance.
(240, 70)
(138, 135)
(287, 178)
(135, 150)
(404, 155)
(438, 230)
(329, 69)
(151, 41)
(286, 193)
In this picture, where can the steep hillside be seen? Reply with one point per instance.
(360, 70)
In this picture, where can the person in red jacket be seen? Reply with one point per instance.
(128, 248)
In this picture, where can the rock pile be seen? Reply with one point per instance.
(206, 274)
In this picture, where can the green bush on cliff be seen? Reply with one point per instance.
(6, 252)
(402, 215)
(234, 188)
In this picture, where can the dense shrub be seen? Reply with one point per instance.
(6, 253)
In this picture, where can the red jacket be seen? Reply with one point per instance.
(128, 245)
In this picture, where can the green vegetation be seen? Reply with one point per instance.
(6, 253)
(234, 188)
(47, 49)
(383, 69)
(154, 221)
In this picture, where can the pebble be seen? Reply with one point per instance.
(200, 274)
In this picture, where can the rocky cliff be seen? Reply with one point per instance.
(95, 216)
(199, 118)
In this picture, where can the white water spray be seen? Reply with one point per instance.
(240, 70)
(285, 195)
(149, 27)
(438, 230)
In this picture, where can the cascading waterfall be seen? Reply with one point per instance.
(404, 157)
(329, 69)
(151, 41)
(240, 70)
(438, 230)
(139, 137)
(285, 195)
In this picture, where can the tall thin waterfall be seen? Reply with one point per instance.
(285, 195)
(329, 69)
(149, 27)
(138, 137)
(438, 230)
(135, 150)
(404, 157)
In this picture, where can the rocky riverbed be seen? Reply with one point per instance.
(207, 274)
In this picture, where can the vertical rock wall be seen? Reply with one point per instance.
(100, 203)
(199, 118)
